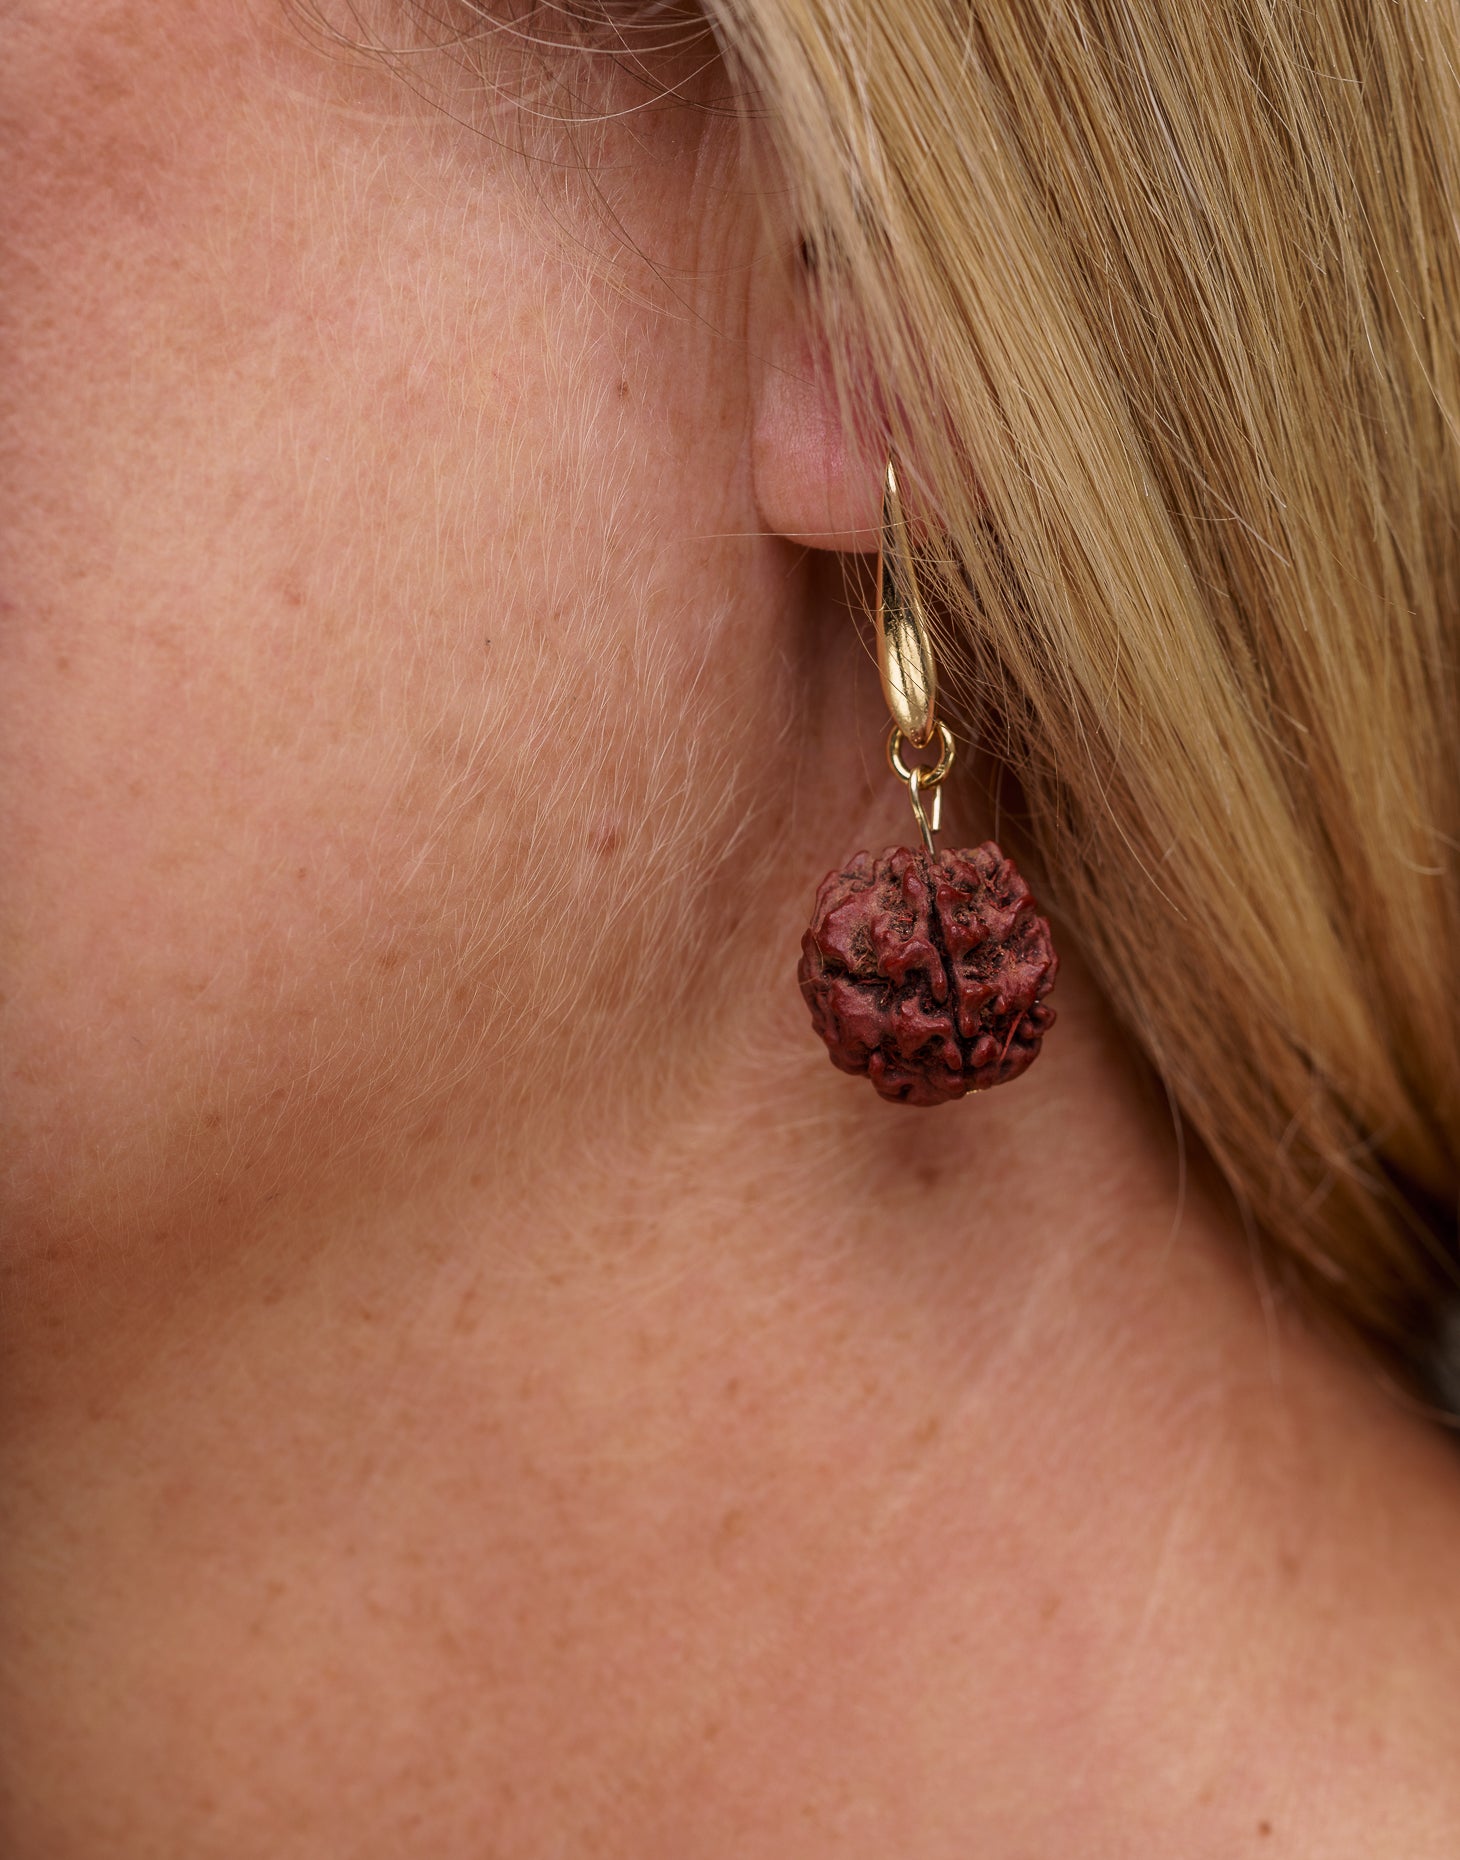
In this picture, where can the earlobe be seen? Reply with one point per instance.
(814, 483)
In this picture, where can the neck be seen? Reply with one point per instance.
(770, 1470)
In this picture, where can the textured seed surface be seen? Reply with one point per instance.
(929, 975)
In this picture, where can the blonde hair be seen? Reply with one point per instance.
(1163, 303)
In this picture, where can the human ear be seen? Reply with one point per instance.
(817, 482)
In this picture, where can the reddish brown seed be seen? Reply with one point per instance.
(929, 975)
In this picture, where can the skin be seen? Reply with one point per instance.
(476, 1381)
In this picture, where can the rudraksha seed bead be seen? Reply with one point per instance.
(929, 975)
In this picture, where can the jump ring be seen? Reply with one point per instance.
(927, 777)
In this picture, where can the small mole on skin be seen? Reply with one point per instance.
(1264, 1827)
(623, 390)
(732, 1525)
(605, 838)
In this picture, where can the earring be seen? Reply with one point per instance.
(925, 971)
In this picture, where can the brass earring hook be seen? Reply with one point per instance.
(904, 646)
(906, 663)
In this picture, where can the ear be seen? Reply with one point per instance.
(815, 483)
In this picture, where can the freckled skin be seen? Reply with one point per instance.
(360, 486)
(475, 1383)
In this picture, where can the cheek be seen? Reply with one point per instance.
(369, 572)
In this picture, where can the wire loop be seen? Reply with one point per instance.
(923, 778)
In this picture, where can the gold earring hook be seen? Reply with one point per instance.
(905, 660)
(904, 643)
